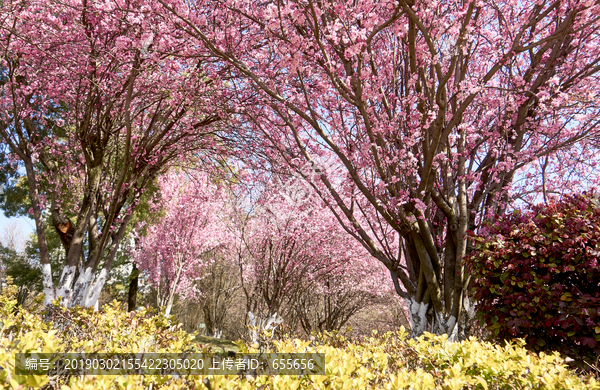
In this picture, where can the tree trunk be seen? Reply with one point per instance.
(169, 305)
(133, 289)
(74, 247)
(48, 285)
(208, 322)
(89, 295)
(173, 287)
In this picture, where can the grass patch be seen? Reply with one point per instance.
(218, 345)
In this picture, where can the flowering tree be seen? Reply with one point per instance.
(174, 252)
(94, 107)
(296, 261)
(438, 114)
(219, 287)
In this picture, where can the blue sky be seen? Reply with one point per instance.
(27, 224)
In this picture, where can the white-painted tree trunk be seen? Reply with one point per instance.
(169, 306)
(446, 326)
(47, 284)
(66, 283)
(93, 292)
(81, 286)
(418, 321)
(85, 292)
(258, 325)
(417, 313)
(465, 321)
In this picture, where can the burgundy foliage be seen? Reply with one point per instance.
(536, 275)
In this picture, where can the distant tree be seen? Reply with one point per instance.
(13, 236)
(14, 262)
(297, 262)
(219, 288)
(174, 251)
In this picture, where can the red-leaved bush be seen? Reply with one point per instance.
(536, 275)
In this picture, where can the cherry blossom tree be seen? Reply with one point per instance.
(297, 262)
(174, 252)
(437, 114)
(94, 107)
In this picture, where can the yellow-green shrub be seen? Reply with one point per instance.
(389, 361)
(113, 330)
(22, 332)
(393, 361)
(110, 330)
